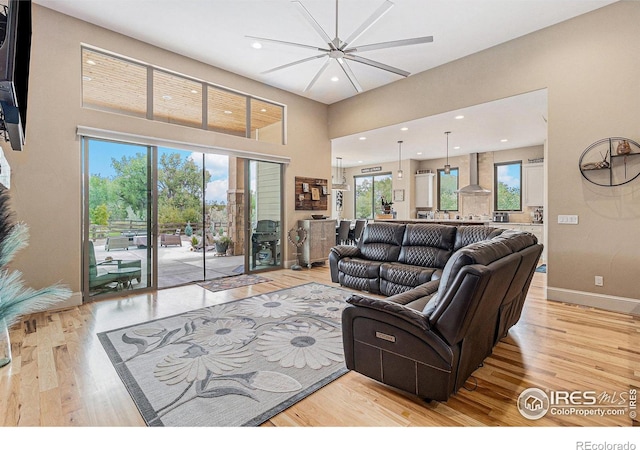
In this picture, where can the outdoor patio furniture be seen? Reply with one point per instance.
(114, 242)
(118, 271)
(170, 239)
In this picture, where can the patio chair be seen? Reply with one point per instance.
(95, 280)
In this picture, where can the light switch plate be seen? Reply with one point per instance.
(568, 219)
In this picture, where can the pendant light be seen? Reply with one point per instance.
(340, 181)
(447, 167)
(400, 173)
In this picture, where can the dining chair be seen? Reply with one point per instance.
(357, 231)
(343, 232)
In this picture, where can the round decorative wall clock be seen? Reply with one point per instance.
(612, 161)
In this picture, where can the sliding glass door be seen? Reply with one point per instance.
(158, 217)
(370, 190)
(117, 216)
(263, 187)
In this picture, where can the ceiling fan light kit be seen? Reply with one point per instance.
(344, 51)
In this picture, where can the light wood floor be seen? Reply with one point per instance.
(61, 376)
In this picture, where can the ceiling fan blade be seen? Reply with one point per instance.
(379, 65)
(349, 73)
(320, 72)
(316, 26)
(295, 44)
(381, 11)
(300, 61)
(391, 44)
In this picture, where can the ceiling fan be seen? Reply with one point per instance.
(344, 50)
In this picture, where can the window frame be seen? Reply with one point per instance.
(205, 87)
(496, 181)
(440, 172)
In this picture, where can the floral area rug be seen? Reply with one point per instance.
(234, 364)
(222, 284)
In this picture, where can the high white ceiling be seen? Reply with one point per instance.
(513, 122)
(215, 32)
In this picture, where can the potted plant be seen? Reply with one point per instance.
(222, 244)
(386, 206)
(17, 300)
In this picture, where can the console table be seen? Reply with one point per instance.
(321, 236)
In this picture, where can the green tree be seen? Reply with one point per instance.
(100, 215)
(102, 192)
(180, 189)
(130, 183)
(508, 198)
(448, 188)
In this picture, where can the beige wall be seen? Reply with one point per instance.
(46, 181)
(591, 68)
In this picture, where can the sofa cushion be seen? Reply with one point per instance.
(360, 274)
(470, 234)
(427, 245)
(381, 241)
(396, 277)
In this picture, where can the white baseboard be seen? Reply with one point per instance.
(606, 302)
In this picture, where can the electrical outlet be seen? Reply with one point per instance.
(568, 219)
(599, 280)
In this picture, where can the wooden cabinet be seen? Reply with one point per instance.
(321, 236)
(424, 190)
(533, 184)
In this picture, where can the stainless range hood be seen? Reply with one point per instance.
(474, 188)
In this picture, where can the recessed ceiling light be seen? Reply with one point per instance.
(193, 91)
(166, 97)
(257, 45)
(228, 112)
(363, 138)
(263, 110)
(360, 162)
(419, 153)
(91, 62)
(456, 148)
(504, 140)
(335, 79)
(460, 117)
(86, 78)
(404, 129)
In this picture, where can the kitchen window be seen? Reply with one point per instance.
(447, 187)
(508, 186)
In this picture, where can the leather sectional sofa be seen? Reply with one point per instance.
(448, 304)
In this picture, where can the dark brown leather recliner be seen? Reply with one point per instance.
(430, 339)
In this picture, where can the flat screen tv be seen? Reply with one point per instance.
(15, 52)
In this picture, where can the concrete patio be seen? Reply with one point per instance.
(176, 264)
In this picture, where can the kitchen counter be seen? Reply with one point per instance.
(439, 221)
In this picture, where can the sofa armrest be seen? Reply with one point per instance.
(342, 251)
(336, 254)
(405, 313)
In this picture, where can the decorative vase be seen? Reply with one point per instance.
(5, 344)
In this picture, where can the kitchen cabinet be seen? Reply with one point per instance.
(424, 190)
(321, 236)
(533, 184)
